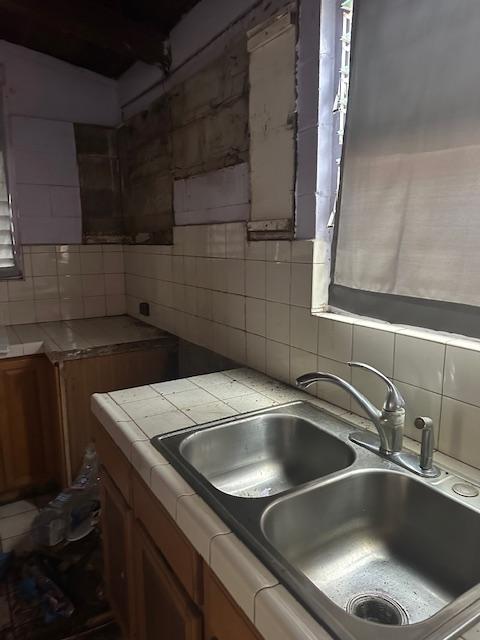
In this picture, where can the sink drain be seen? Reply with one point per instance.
(377, 608)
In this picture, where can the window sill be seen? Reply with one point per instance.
(452, 339)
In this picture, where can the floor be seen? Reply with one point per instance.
(77, 568)
(15, 522)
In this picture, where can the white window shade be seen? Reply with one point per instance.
(408, 232)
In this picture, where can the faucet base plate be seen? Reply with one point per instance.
(404, 459)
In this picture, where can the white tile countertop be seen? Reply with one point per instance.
(133, 416)
(71, 338)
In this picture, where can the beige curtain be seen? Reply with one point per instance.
(409, 221)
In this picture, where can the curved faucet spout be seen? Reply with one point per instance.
(310, 378)
(389, 422)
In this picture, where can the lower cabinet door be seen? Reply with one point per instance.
(28, 428)
(224, 620)
(164, 610)
(117, 531)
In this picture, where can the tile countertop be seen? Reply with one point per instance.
(72, 339)
(133, 416)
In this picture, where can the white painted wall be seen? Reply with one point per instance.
(216, 196)
(40, 86)
(44, 98)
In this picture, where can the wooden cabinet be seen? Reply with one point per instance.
(184, 561)
(223, 618)
(164, 609)
(117, 530)
(29, 426)
(158, 585)
(82, 377)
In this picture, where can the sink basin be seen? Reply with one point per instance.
(369, 549)
(264, 455)
(380, 544)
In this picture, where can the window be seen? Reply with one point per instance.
(9, 250)
(341, 98)
(407, 232)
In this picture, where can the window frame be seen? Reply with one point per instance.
(16, 271)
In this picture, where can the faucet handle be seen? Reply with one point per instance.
(394, 400)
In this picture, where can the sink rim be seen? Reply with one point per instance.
(243, 518)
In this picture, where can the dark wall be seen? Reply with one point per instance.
(100, 195)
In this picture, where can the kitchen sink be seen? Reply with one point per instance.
(369, 548)
(265, 455)
(383, 546)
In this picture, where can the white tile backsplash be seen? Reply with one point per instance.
(252, 327)
(303, 329)
(256, 314)
(374, 347)
(335, 339)
(56, 290)
(255, 279)
(278, 282)
(460, 431)
(462, 381)
(420, 402)
(419, 362)
(278, 322)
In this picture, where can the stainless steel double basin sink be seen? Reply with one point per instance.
(371, 550)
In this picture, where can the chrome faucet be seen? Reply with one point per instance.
(389, 421)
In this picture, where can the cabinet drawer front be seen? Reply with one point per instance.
(165, 610)
(174, 546)
(113, 460)
(224, 620)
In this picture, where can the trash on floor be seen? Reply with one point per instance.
(56, 593)
(73, 513)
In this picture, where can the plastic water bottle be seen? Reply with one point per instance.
(71, 507)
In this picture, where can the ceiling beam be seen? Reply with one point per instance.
(93, 24)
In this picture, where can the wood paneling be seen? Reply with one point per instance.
(29, 429)
(99, 374)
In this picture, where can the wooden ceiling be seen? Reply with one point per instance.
(106, 36)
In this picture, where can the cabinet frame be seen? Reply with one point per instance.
(190, 615)
(109, 492)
